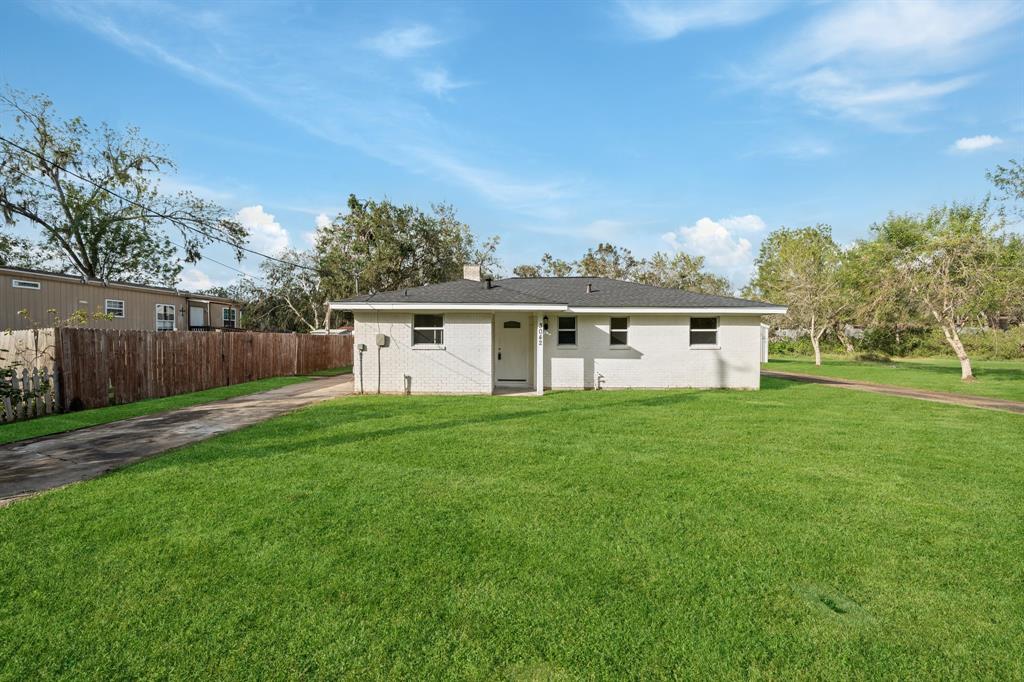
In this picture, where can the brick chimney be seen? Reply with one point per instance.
(471, 272)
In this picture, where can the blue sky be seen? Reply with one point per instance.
(698, 126)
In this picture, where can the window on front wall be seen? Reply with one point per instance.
(567, 331)
(112, 306)
(703, 331)
(24, 284)
(619, 331)
(229, 318)
(427, 330)
(164, 317)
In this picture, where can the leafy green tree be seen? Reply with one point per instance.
(608, 260)
(549, 267)
(86, 229)
(377, 246)
(681, 271)
(941, 266)
(1009, 180)
(16, 252)
(802, 269)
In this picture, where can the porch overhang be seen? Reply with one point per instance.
(468, 307)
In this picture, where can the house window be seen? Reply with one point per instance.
(703, 331)
(24, 284)
(427, 330)
(619, 329)
(512, 324)
(229, 318)
(566, 331)
(164, 317)
(112, 306)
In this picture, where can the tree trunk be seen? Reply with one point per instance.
(817, 350)
(958, 347)
(844, 339)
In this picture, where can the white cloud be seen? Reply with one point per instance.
(885, 62)
(724, 251)
(973, 144)
(399, 43)
(265, 234)
(322, 221)
(194, 279)
(662, 21)
(438, 83)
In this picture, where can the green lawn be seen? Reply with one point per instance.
(799, 532)
(58, 423)
(994, 378)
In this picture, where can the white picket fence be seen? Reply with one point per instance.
(40, 384)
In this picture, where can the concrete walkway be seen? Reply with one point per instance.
(904, 392)
(31, 466)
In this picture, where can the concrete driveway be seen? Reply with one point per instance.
(31, 466)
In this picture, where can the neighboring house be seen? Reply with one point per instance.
(133, 306)
(531, 334)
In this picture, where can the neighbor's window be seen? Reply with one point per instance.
(427, 330)
(24, 284)
(112, 306)
(703, 331)
(229, 318)
(164, 317)
(619, 329)
(567, 331)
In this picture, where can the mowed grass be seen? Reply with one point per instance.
(799, 532)
(59, 423)
(993, 378)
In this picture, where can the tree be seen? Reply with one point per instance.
(87, 229)
(608, 260)
(801, 268)
(1009, 180)
(16, 252)
(549, 267)
(942, 265)
(681, 271)
(378, 246)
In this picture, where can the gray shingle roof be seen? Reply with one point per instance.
(570, 291)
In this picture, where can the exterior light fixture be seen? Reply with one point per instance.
(545, 323)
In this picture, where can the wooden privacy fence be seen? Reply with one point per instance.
(27, 393)
(100, 367)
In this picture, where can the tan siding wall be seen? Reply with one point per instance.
(66, 297)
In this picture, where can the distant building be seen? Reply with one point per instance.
(133, 306)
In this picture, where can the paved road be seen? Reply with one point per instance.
(934, 396)
(31, 466)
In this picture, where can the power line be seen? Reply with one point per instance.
(155, 212)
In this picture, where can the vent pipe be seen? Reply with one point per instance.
(590, 288)
(490, 282)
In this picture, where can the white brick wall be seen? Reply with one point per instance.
(463, 365)
(658, 354)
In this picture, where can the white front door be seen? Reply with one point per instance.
(197, 316)
(512, 350)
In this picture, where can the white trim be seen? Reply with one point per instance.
(224, 317)
(106, 307)
(424, 346)
(26, 284)
(524, 307)
(618, 312)
(760, 310)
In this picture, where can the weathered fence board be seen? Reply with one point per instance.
(99, 367)
(28, 393)
(31, 348)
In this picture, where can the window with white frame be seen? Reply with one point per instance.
(619, 331)
(427, 330)
(25, 284)
(230, 316)
(566, 331)
(113, 306)
(165, 317)
(703, 331)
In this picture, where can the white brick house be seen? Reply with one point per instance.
(531, 334)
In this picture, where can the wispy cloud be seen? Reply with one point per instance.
(352, 104)
(399, 43)
(438, 82)
(265, 233)
(976, 143)
(883, 63)
(665, 20)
